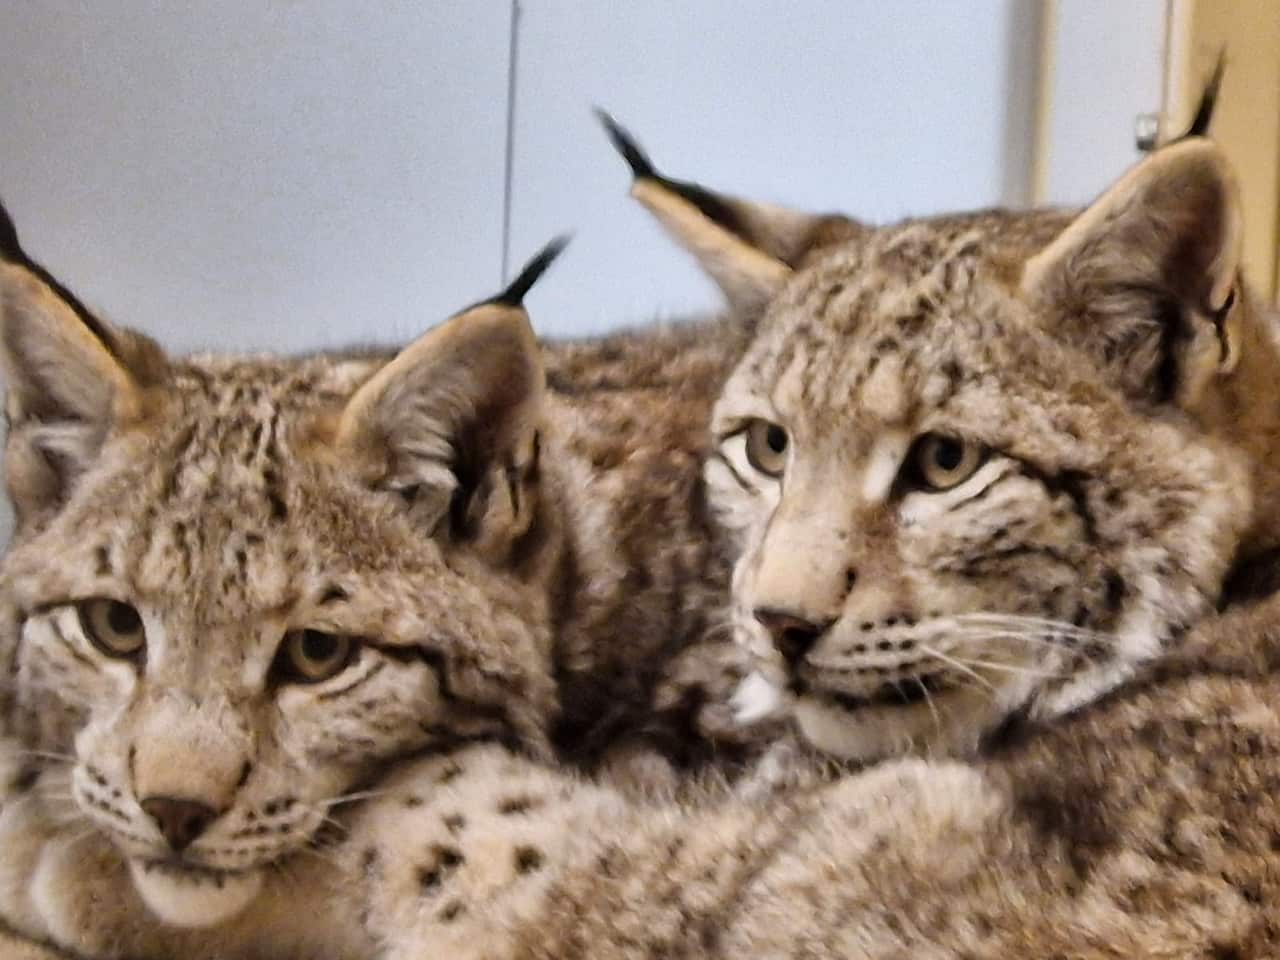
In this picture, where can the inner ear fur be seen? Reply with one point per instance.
(1146, 278)
(70, 380)
(748, 248)
(452, 424)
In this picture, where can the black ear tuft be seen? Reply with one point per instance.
(1208, 100)
(625, 144)
(712, 205)
(10, 248)
(514, 295)
(11, 251)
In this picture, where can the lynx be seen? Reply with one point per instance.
(243, 589)
(927, 456)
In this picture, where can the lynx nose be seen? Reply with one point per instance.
(181, 821)
(794, 635)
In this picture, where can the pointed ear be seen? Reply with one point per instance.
(1146, 278)
(70, 380)
(452, 423)
(749, 249)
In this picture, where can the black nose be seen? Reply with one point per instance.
(181, 821)
(794, 635)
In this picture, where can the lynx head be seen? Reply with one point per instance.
(241, 586)
(966, 486)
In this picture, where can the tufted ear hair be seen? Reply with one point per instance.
(1202, 119)
(1146, 279)
(452, 422)
(70, 378)
(748, 248)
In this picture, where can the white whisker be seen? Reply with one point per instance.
(352, 797)
(959, 666)
(1014, 668)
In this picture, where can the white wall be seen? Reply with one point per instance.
(1108, 67)
(274, 174)
(259, 174)
(879, 109)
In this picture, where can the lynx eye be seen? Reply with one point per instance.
(767, 447)
(310, 656)
(945, 462)
(113, 627)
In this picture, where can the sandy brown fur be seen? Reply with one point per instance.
(1143, 826)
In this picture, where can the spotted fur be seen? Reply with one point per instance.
(1145, 825)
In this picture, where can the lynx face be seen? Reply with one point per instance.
(945, 516)
(980, 465)
(245, 586)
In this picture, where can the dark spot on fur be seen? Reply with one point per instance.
(1071, 815)
(1115, 591)
(454, 822)
(333, 595)
(609, 860)
(517, 805)
(451, 911)
(245, 770)
(445, 860)
(528, 859)
(429, 877)
(450, 773)
(885, 345)
(24, 780)
(412, 801)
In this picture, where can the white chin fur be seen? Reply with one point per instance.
(874, 733)
(192, 898)
(755, 699)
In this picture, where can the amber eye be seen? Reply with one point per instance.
(113, 627)
(767, 447)
(945, 462)
(310, 656)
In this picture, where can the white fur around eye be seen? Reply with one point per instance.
(923, 506)
(734, 450)
(883, 465)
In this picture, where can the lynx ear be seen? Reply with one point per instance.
(67, 376)
(749, 249)
(451, 423)
(1146, 278)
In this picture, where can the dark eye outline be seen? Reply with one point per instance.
(916, 471)
(96, 612)
(760, 438)
(287, 668)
